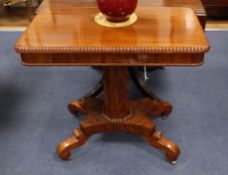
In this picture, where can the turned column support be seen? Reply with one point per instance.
(116, 94)
(118, 113)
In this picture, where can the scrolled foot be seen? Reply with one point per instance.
(76, 107)
(161, 108)
(84, 105)
(171, 150)
(64, 148)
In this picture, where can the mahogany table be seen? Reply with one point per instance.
(68, 36)
(136, 73)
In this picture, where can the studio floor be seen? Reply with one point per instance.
(34, 118)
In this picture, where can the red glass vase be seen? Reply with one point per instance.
(117, 10)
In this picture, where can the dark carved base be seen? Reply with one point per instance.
(137, 77)
(137, 122)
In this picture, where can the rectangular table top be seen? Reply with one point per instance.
(72, 30)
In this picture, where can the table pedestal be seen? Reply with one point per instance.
(117, 113)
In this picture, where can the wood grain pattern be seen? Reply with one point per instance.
(139, 123)
(116, 97)
(195, 5)
(93, 59)
(65, 34)
(51, 34)
(21, 18)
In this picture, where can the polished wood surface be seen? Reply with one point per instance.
(21, 19)
(138, 123)
(116, 103)
(195, 5)
(177, 59)
(68, 35)
(52, 32)
(117, 113)
(51, 36)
